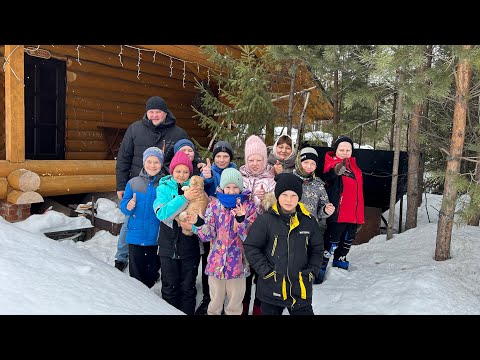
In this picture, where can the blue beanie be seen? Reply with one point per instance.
(181, 143)
(155, 151)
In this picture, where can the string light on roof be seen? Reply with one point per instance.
(198, 69)
(171, 66)
(138, 64)
(120, 55)
(184, 74)
(208, 77)
(78, 54)
(154, 54)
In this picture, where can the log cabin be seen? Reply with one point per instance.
(65, 108)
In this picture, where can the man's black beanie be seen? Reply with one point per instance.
(156, 102)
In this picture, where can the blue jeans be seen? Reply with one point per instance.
(122, 246)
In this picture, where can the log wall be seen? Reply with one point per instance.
(2, 109)
(102, 92)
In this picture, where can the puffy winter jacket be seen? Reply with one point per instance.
(142, 224)
(286, 252)
(141, 135)
(345, 192)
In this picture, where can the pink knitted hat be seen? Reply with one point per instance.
(180, 158)
(255, 145)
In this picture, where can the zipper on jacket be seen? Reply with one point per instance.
(274, 245)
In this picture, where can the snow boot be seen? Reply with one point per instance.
(320, 277)
(246, 305)
(202, 308)
(341, 263)
(256, 309)
(121, 265)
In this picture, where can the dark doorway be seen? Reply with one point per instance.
(45, 85)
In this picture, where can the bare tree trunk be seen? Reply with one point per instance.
(476, 219)
(476, 177)
(396, 160)
(392, 128)
(270, 132)
(361, 135)
(445, 218)
(376, 129)
(423, 126)
(301, 126)
(336, 108)
(413, 191)
(290, 100)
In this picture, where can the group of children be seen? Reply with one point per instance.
(264, 223)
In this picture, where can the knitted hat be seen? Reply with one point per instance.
(255, 145)
(309, 153)
(155, 151)
(223, 146)
(156, 102)
(181, 143)
(288, 181)
(231, 176)
(180, 158)
(340, 139)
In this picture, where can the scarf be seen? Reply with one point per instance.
(230, 200)
(301, 173)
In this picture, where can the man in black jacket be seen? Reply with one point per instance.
(157, 128)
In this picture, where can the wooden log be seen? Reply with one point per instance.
(14, 104)
(80, 102)
(3, 187)
(84, 125)
(85, 145)
(24, 197)
(85, 155)
(107, 95)
(60, 167)
(161, 79)
(76, 124)
(106, 83)
(24, 180)
(90, 114)
(89, 134)
(61, 185)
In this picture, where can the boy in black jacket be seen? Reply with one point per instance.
(284, 246)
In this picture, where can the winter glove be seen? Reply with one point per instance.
(341, 169)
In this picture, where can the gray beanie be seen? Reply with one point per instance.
(309, 153)
(153, 151)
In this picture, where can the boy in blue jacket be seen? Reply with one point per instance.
(143, 225)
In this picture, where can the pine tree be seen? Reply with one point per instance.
(243, 103)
